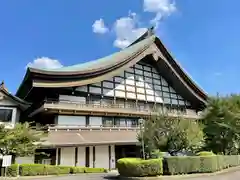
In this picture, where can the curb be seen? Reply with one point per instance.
(225, 171)
(48, 176)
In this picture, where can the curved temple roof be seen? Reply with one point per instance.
(99, 64)
(109, 66)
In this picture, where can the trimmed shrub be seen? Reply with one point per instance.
(51, 170)
(12, 170)
(205, 153)
(65, 169)
(32, 170)
(94, 170)
(77, 170)
(199, 164)
(41, 169)
(157, 154)
(134, 167)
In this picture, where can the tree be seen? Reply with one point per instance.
(222, 127)
(172, 134)
(22, 140)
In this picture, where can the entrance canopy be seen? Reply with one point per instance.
(74, 138)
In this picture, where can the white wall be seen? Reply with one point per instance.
(95, 121)
(67, 156)
(5, 101)
(101, 157)
(81, 156)
(25, 160)
(71, 120)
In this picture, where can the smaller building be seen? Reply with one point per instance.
(11, 107)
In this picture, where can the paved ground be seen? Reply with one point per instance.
(232, 175)
(225, 176)
(104, 176)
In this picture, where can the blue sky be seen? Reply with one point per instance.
(203, 35)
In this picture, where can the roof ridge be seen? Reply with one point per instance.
(149, 32)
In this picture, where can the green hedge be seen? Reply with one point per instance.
(133, 167)
(40, 169)
(94, 170)
(199, 164)
(205, 153)
(157, 154)
(12, 170)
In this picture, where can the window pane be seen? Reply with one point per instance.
(121, 122)
(107, 84)
(107, 121)
(5, 115)
(96, 90)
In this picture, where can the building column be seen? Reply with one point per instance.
(90, 156)
(56, 161)
(112, 157)
(76, 156)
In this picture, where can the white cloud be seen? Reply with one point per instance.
(99, 27)
(45, 62)
(127, 30)
(161, 8)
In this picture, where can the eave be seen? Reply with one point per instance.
(19, 102)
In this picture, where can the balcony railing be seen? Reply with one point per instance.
(117, 108)
(92, 127)
(79, 104)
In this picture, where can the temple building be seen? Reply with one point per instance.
(92, 110)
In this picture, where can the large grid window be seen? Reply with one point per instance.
(141, 82)
(6, 115)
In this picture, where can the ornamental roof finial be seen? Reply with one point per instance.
(2, 85)
(151, 31)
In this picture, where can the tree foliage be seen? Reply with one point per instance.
(171, 134)
(21, 140)
(222, 127)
